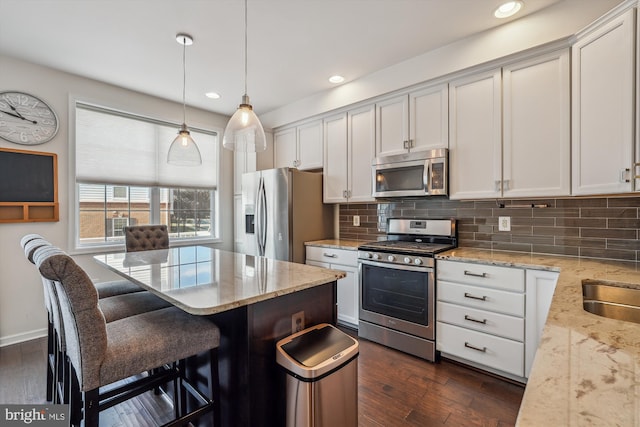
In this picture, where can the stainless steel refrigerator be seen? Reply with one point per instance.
(282, 208)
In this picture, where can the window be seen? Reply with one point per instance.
(126, 181)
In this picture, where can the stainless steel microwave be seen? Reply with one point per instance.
(422, 173)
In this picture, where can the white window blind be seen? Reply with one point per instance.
(117, 148)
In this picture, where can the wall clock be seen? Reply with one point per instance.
(26, 119)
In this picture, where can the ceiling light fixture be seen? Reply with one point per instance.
(336, 79)
(508, 9)
(244, 132)
(183, 150)
(212, 95)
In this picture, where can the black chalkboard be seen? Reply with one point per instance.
(27, 176)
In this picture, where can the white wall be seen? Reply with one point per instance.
(22, 313)
(557, 22)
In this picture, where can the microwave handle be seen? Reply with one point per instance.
(426, 176)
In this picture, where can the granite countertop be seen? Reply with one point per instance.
(202, 280)
(587, 367)
(351, 245)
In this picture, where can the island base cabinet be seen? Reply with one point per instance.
(476, 347)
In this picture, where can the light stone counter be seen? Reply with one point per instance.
(587, 368)
(351, 245)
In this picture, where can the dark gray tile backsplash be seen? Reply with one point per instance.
(595, 227)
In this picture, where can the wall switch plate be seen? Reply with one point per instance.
(297, 322)
(356, 220)
(504, 223)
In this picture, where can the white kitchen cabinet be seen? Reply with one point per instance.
(243, 162)
(299, 147)
(509, 130)
(238, 224)
(347, 287)
(540, 288)
(413, 122)
(603, 79)
(348, 152)
(475, 132)
(480, 312)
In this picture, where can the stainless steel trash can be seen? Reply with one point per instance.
(321, 377)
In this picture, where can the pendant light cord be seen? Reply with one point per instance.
(245, 47)
(184, 79)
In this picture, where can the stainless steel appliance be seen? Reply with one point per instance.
(397, 284)
(422, 173)
(282, 208)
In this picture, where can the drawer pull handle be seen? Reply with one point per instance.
(482, 350)
(330, 255)
(471, 319)
(468, 295)
(471, 273)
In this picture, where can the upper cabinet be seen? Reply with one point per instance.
(348, 152)
(413, 122)
(603, 108)
(509, 130)
(299, 147)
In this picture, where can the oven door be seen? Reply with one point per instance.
(398, 297)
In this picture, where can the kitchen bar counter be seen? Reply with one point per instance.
(587, 367)
(351, 245)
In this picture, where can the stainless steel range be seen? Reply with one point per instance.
(397, 284)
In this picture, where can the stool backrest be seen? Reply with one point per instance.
(84, 323)
(146, 237)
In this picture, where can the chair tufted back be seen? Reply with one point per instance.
(146, 237)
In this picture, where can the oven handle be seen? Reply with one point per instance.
(396, 266)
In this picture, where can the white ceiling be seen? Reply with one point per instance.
(294, 45)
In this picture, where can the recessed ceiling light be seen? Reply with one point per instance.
(508, 9)
(212, 95)
(336, 79)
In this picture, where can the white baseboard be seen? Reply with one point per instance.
(26, 336)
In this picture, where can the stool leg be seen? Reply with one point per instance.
(51, 376)
(90, 408)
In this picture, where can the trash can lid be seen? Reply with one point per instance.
(318, 345)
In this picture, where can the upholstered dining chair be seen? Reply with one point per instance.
(146, 237)
(145, 348)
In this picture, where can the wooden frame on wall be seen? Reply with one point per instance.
(28, 186)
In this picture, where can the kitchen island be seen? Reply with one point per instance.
(586, 368)
(252, 300)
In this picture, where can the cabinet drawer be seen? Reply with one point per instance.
(511, 303)
(495, 352)
(480, 320)
(481, 274)
(334, 256)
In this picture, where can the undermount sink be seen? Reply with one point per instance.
(611, 300)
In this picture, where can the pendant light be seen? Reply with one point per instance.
(244, 131)
(183, 150)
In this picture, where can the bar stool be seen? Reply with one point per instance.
(104, 353)
(146, 237)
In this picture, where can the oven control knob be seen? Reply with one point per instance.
(376, 256)
(368, 255)
(391, 258)
(417, 261)
(407, 260)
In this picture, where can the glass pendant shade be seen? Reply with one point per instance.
(183, 150)
(244, 132)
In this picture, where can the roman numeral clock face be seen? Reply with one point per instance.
(25, 119)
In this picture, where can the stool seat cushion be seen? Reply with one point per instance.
(116, 287)
(125, 305)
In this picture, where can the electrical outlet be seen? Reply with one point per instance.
(297, 322)
(504, 223)
(356, 220)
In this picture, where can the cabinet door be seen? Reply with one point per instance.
(361, 142)
(392, 118)
(536, 141)
(310, 145)
(348, 295)
(603, 106)
(334, 180)
(429, 118)
(243, 162)
(475, 132)
(540, 288)
(238, 224)
(284, 145)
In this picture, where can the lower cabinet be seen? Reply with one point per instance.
(491, 317)
(348, 294)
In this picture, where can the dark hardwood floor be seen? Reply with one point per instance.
(395, 389)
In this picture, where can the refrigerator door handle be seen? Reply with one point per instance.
(262, 218)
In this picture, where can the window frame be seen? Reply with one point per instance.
(77, 247)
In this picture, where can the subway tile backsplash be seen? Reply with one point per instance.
(594, 227)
